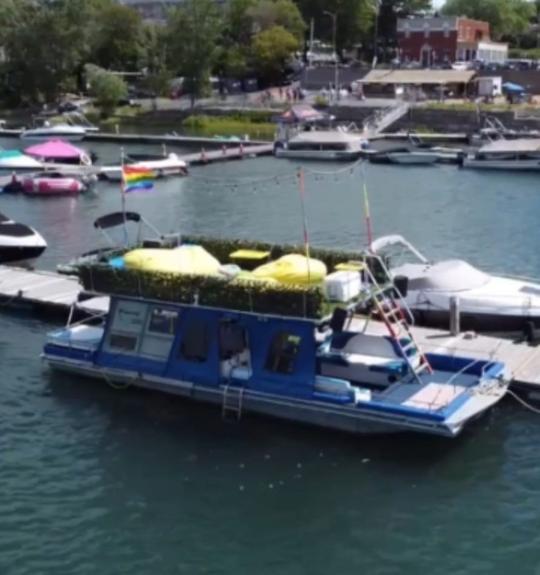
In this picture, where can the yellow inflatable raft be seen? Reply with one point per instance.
(293, 269)
(186, 259)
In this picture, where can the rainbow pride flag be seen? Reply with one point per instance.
(137, 178)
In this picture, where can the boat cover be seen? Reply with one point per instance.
(188, 259)
(449, 275)
(302, 113)
(55, 149)
(293, 269)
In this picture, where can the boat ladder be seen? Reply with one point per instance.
(233, 398)
(396, 315)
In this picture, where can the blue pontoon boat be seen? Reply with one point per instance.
(321, 372)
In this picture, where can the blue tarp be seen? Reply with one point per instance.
(511, 87)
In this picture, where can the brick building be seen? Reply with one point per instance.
(440, 39)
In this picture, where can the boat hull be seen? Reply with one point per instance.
(16, 254)
(316, 155)
(317, 413)
(516, 165)
(413, 159)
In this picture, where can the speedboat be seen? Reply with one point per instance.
(487, 303)
(16, 161)
(52, 184)
(334, 145)
(522, 154)
(57, 131)
(171, 165)
(19, 242)
(206, 340)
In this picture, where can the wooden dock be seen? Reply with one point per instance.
(226, 153)
(522, 360)
(56, 294)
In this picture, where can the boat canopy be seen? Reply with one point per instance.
(116, 219)
(449, 275)
(513, 88)
(56, 149)
(302, 114)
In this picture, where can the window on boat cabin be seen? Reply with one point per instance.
(126, 326)
(162, 321)
(232, 339)
(195, 342)
(160, 331)
(283, 353)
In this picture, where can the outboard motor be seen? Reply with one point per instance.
(339, 317)
(401, 283)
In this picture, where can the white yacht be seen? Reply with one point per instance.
(487, 302)
(55, 132)
(322, 145)
(519, 154)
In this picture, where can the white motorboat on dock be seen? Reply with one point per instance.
(171, 165)
(57, 131)
(19, 242)
(487, 303)
(334, 145)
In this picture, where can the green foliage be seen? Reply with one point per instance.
(118, 42)
(507, 18)
(234, 125)
(192, 34)
(272, 49)
(107, 88)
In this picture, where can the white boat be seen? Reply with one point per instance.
(486, 302)
(171, 165)
(16, 161)
(19, 242)
(58, 131)
(413, 158)
(335, 145)
(522, 154)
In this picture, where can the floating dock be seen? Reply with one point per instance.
(55, 294)
(236, 152)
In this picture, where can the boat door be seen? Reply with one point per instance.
(234, 350)
(194, 357)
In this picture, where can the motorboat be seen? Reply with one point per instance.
(261, 356)
(522, 154)
(334, 145)
(19, 242)
(53, 184)
(59, 152)
(56, 131)
(133, 230)
(413, 158)
(16, 161)
(171, 165)
(487, 303)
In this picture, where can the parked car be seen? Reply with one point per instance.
(462, 65)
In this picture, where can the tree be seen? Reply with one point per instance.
(354, 19)
(107, 88)
(45, 45)
(272, 49)
(193, 32)
(119, 40)
(269, 13)
(507, 18)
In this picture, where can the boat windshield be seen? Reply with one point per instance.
(450, 275)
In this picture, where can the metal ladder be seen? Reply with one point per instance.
(394, 311)
(233, 398)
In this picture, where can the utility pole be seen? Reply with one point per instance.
(333, 15)
(376, 32)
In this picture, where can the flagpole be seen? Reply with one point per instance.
(123, 194)
(367, 214)
(301, 188)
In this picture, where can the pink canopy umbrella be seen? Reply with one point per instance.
(56, 149)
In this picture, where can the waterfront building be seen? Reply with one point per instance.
(447, 39)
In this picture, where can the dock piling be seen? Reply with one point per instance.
(455, 316)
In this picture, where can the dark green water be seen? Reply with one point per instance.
(96, 480)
